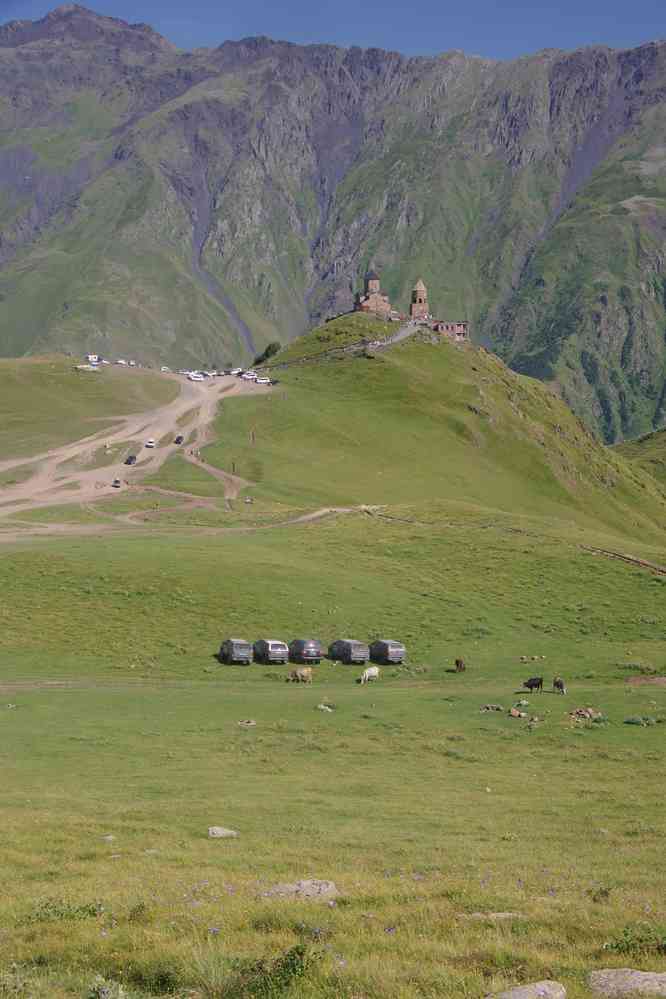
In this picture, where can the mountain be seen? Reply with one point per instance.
(190, 207)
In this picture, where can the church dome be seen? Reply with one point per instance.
(372, 275)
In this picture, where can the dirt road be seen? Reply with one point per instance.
(64, 476)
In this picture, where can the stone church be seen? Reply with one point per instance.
(374, 301)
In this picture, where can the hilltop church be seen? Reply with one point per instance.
(372, 300)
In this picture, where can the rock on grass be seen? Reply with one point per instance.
(537, 990)
(625, 982)
(219, 832)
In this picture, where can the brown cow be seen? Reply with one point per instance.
(303, 675)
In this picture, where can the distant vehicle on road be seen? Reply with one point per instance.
(306, 650)
(235, 650)
(179, 439)
(236, 371)
(165, 369)
(270, 650)
(196, 376)
(130, 459)
(121, 362)
(348, 650)
(249, 376)
(116, 483)
(150, 442)
(263, 381)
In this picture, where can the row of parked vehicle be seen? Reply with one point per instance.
(310, 650)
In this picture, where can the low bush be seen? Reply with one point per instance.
(639, 939)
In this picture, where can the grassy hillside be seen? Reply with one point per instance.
(415, 803)
(429, 422)
(44, 402)
(340, 332)
(649, 453)
(122, 743)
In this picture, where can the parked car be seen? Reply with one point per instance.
(263, 381)
(116, 483)
(235, 650)
(150, 442)
(179, 439)
(306, 650)
(130, 459)
(236, 371)
(165, 370)
(249, 376)
(270, 650)
(385, 650)
(348, 650)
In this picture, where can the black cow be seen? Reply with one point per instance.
(558, 685)
(460, 665)
(534, 683)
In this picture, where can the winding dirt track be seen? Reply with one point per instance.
(62, 478)
(61, 475)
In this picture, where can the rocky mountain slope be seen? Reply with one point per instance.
(192, 206)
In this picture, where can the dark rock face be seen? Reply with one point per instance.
(251, 185)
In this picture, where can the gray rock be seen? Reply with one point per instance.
(494, 917)
(537, 990)
(308, 888)
(219, 832)
(108, 839)
(625, 982)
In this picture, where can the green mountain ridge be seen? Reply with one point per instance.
(189, 208)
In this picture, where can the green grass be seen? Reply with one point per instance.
(419, 806)
(45, 403)
(429, 422)
(649, 453)
(340, 332)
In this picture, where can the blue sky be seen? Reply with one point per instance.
(497, 28)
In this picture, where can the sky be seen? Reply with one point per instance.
(499, 29)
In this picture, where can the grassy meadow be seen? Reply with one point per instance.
(120, 735)
(45, 403)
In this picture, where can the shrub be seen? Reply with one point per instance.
(642, 938)
(270, 351)
(51, 910)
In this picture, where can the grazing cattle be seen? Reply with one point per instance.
(460, 665)
(534, 683)
(558, 685)
(371, 673)
(303, 675)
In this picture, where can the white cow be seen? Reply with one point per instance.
(371, 673)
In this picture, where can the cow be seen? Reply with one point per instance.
(371, 673)
(558, 685)
(302, 675)
(534, 683)
(460, 665)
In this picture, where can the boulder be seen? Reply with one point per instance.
(625, 982)
(537, 990)
(308, 888)
(219, 832)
